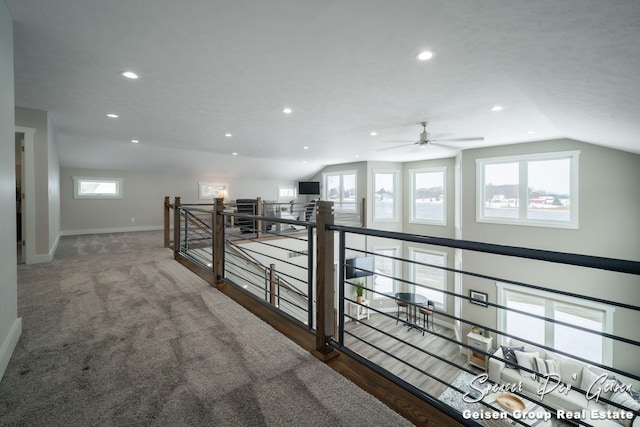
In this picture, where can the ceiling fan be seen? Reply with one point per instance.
(425, 139)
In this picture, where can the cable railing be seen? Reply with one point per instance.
(446, 334)
(517, 314)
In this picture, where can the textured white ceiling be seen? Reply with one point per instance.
(567, 68)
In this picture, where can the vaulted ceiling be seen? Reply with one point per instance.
(208, 68)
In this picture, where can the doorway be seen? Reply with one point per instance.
(25, 198)
(20, 223)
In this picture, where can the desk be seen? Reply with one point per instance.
(413, 300)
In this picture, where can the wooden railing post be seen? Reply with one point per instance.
(218, 240)
(176, 227)
(325, 283)
(272, 284)
(259, 213)
(167, 222)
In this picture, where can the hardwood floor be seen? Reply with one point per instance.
(419, 360)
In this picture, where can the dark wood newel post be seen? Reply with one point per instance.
(167, 222)
(325, 283)
(272, 284)
(176, 227)
(258, 213)
(218, 240)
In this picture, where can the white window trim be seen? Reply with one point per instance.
(607, 344)
(325, 188)
(523, 160)
(412, 218)
(396, 196)
(394, 273)
(412, 273)
(77, 180)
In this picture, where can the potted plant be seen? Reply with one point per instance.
(475, 329)
(360, 290)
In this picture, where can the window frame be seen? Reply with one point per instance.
(412, 274)
(339, 205)
(287, 198)
(396, 198)
(523, 193)
(394, 267)
(78, 180)
(412, 194)
(550, 298)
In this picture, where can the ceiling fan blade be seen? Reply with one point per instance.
(472, 138)
(397, 146)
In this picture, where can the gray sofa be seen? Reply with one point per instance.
(571, 373)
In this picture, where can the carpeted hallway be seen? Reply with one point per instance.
(117, 333)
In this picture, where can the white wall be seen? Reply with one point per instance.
(143, 197)
(10, 324)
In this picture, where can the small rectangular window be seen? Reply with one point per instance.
(287, 193)
(97, 188)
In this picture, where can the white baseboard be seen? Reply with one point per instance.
(110, 230)
(9, 344)
(44, 258)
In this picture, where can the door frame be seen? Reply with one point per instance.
(28, 187)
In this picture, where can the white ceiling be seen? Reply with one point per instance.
(567, 68)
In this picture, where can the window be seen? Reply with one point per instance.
(97, 188)
(287, 192)
(428, 196)
(538, 189)
(385, 266)
(385, 188)
(572, 311)
(430, 280)
(340, 188)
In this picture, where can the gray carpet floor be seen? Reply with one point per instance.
(117, 333)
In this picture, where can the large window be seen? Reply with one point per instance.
(428, 196)
(340, 188)
(385, 200)
(97, 188)
(563, 337)
(430, 279)
(386, 267)
(537, 189)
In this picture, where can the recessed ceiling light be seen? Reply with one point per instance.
(304, 161)
(531, 132)
(287, 110)
(112, 115)
(356, 156)
(497, 108)
(135, 141)
(228, 135)
(374, 133)
(129, 75)
(305, 148)
(424, 55)
(234, 154)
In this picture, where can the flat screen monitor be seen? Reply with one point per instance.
(359, 267)
(309, 187)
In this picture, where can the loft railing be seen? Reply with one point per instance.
(432, 363)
